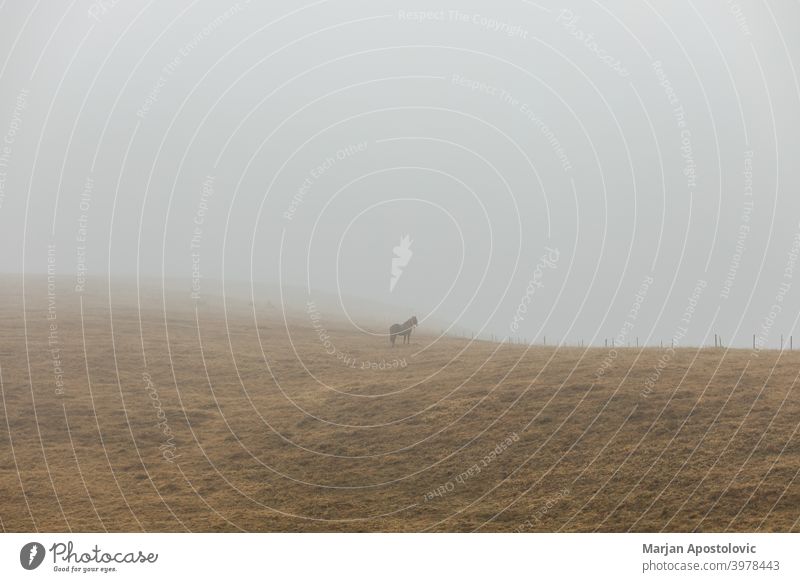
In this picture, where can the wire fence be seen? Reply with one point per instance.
(786, 343)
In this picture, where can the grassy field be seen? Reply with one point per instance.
(194, 421)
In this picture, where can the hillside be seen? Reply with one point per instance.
(197, 421)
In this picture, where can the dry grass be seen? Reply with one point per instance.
(263, 446)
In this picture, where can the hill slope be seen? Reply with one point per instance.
(195, 421)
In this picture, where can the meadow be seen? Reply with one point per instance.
(145, 412)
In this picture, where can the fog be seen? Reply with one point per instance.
(578, 171)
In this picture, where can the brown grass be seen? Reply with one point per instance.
(263, 446)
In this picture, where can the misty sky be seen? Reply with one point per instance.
(577, 158)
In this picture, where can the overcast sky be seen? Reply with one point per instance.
(581, 160)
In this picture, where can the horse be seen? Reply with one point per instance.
(403, 329)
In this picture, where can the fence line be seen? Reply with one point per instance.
(523, 341)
